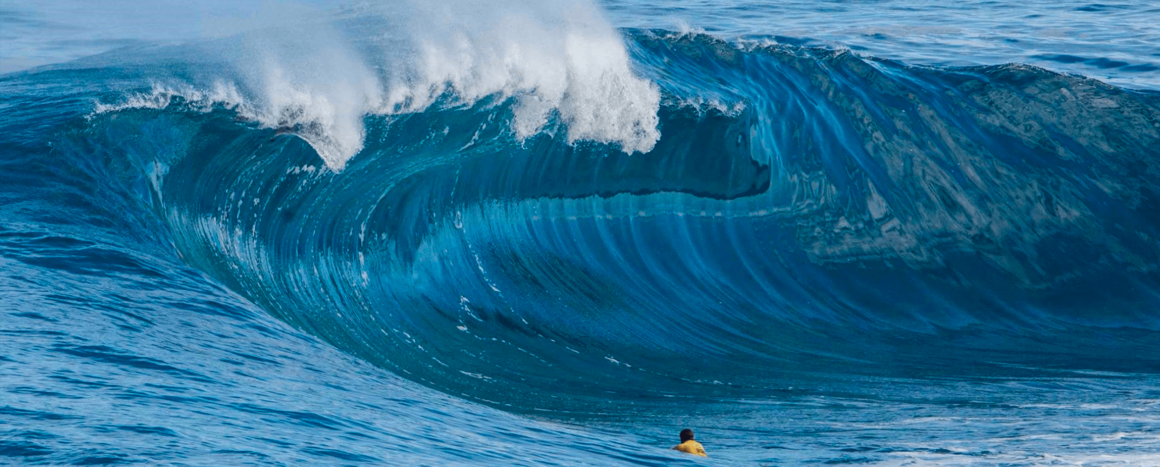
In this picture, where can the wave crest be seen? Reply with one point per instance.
(562, 61)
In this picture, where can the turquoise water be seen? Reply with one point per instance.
(556, 234)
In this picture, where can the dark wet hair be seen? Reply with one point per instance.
(686, 435)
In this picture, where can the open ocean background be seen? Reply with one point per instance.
(890, 232)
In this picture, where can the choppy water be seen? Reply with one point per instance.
(398, 233)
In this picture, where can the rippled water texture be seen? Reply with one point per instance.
(556, 234)
(1113, 41)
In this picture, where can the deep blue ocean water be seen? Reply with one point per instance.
(497, 233)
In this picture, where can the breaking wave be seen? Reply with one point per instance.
(596, 214)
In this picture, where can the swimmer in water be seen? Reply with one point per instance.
(689, 446)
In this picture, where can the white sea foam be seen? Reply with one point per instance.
(307, 79)
(556, 58)
(553, 56)
(162, 95)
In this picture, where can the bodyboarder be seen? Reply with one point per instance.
(689, 446)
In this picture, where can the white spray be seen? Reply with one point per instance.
(559, 57)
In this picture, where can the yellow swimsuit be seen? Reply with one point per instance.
(691, 447)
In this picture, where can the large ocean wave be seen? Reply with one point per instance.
(541, 213)
(783, 194)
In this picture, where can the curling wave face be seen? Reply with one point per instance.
(697, 221)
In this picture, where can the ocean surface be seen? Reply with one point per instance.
(892, 232)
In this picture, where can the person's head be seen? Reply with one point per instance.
(686, 435)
